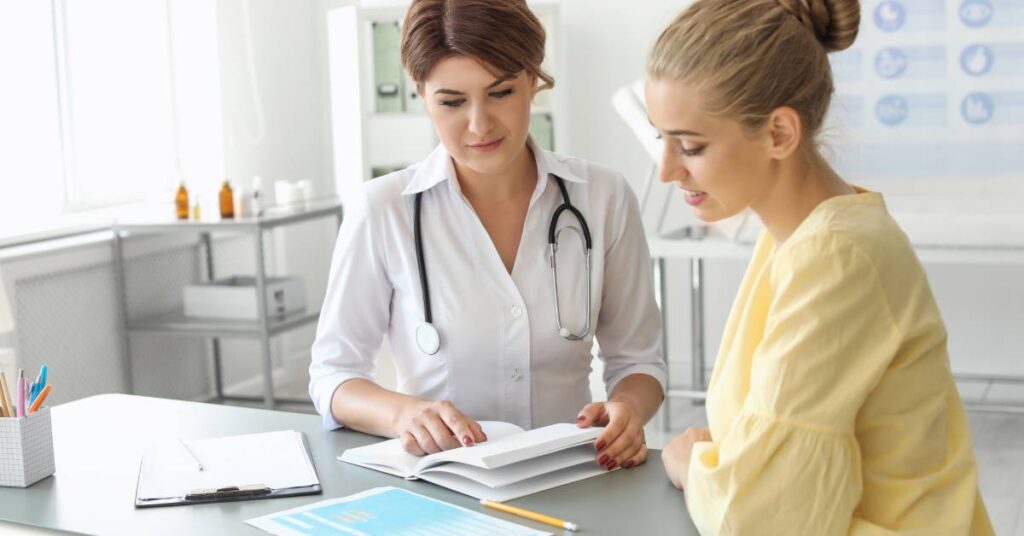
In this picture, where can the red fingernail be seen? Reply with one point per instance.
(603, 459)
(599, 445)
(467, 440)
(581, 418)
(611, 465)
(628, 464)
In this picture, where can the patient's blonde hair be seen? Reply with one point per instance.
(749, 57)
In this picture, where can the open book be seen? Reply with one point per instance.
(510, 464)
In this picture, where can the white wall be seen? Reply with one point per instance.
(606, 48)
(276, 125)
(272, 60)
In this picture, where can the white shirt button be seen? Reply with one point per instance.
(517, 311)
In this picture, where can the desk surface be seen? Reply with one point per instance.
(98, 442)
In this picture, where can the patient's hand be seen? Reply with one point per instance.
(622, 443)
(676, 455)
(427, 427)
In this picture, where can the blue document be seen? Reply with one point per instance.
(390, 511)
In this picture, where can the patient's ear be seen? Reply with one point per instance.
(786, 131)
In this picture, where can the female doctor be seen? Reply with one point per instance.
(450, 259)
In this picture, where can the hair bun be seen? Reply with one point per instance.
(833, 22)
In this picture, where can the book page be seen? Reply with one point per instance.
(517, 489)
(516, 447)
(516, 472)
(389, 456)
(277, 460)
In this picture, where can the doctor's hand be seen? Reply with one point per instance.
(426, 427)
(622, 443)
(677, 453)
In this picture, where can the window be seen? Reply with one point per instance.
(104, 104)
(118, 112)
(31, 171)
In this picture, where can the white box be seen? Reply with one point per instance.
(26, 449)
(235, 298)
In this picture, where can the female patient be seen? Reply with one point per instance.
(460, 241)
(832, 409)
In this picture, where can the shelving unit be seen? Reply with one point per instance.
(378, 122)
(176, 323)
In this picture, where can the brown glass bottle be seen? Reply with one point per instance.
(227, 201)
(181, 202)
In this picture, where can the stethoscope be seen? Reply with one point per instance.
(427, 336)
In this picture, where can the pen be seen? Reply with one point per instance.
(37, 386)
(508, 509)
(199, 464)
(34, 389)
(24, 403)
(43, 370)
(40, 398)
(21, 394)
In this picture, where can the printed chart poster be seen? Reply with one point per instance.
(386, 511)
(931, 89)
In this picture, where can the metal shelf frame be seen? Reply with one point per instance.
(176, 323)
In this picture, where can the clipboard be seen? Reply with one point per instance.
(232, 468)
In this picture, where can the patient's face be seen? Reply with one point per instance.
(482, 118)
(721, 167)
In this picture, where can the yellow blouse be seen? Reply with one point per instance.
(832, 407)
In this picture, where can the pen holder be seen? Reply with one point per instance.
(26, 449)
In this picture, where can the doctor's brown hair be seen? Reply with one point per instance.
(503, 35)
(750, 57)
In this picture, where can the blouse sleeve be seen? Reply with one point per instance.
(790, 462)
(629, 325)
(355, 313)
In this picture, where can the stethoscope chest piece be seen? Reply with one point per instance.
(427, 338)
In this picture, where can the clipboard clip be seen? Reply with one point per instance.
(206, 494)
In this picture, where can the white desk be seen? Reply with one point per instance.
(98, 442)
(697, 250)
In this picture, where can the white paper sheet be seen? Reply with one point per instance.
(274, 459)
(512, 473)
(389, 456)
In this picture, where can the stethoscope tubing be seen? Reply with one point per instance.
(427, 336)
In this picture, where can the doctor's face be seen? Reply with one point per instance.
(721, 166)
(482, 118)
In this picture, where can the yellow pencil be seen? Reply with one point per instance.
(554, 521)
(5, 398)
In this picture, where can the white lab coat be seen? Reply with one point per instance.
(501, 357)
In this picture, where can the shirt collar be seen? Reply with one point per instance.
(438, 167)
